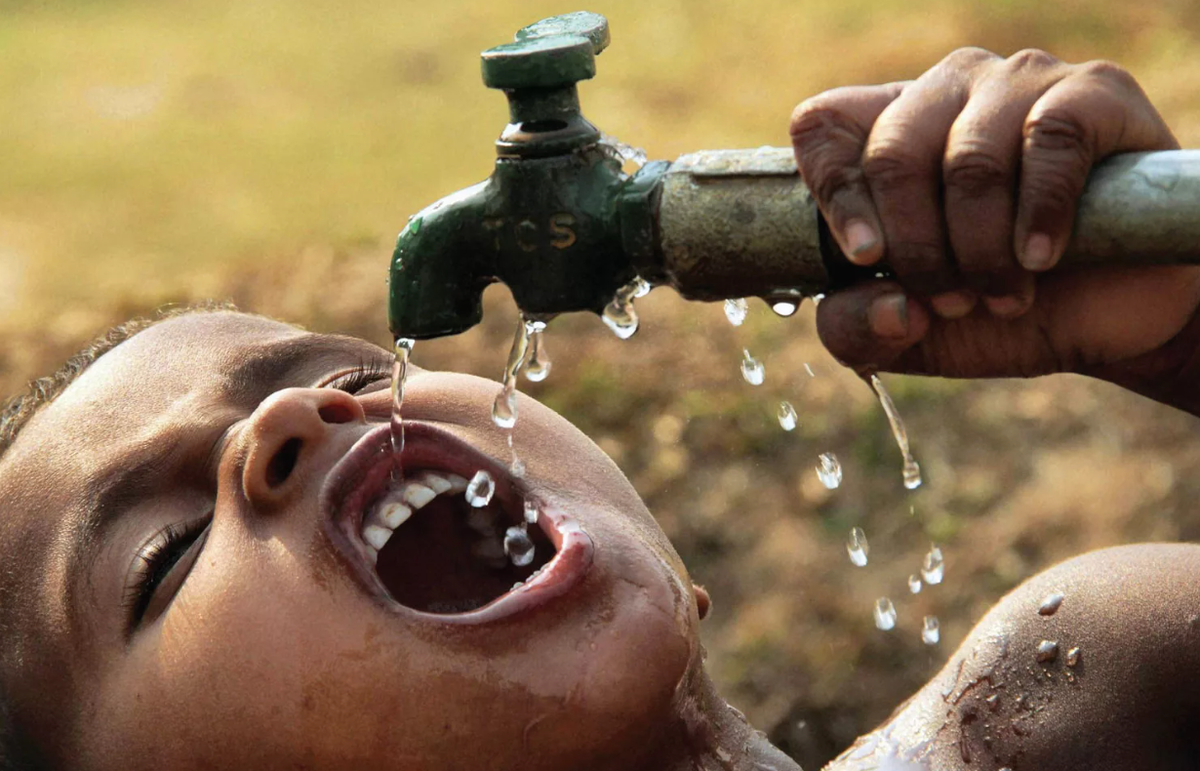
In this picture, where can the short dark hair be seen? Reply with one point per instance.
(21, 408)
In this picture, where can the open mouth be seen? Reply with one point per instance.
(426, 545)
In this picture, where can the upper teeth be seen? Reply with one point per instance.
(394, 509)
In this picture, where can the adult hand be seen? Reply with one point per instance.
(964, 182)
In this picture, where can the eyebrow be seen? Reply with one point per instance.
(119, 489)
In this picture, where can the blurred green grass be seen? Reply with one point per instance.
(268, 152)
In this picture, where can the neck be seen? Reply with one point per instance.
(710, 735)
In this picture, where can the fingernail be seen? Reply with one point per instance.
(888, 316)
(953, 305)
(1038, 253)
(1007, 306)
(860, 239)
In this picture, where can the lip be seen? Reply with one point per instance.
(363, 471)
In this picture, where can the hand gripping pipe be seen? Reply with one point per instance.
(564, 227)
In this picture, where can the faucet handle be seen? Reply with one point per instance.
(551, 53)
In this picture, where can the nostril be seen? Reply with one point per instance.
(281, 466)
(337, 412)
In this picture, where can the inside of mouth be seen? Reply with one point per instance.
(449, 556)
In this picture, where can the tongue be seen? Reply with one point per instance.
(436, 563)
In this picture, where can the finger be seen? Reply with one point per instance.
(869, 326)
(980, 172)
(829, 132)
(1095, 112)
(903, 166)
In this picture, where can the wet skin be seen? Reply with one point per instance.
(260, 647)
(1129, 702)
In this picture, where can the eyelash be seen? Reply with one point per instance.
(155, 561)
(365, 374)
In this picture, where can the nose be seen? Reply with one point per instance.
(284, 436)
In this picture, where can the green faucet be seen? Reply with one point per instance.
(564, 227)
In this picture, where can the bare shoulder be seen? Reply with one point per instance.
(1093, 664)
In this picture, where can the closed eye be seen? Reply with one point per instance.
(161, 564)
(358, 379)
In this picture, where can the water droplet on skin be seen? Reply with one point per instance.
(538, 366)
(784, 308)
(930, 631)
(993, 702)
(787, 416)
(1073, 656)
(736, 310)
(809, 370)
(933, 568)
(885, 614)
(480, 489)
(518, 546)
(911, 472)
(1047, 651)
(829, 470)
(531, 512)
(752, 368)
(1050, 604)
(857, 547)
(914, 584)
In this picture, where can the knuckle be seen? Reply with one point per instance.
(1109, 72)
(890, 164)
(821, 119)
(1031, 59)
(973, 171)
(1057, 129)
(1052, 191)
(967, 58)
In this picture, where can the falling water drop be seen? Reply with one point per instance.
(885, 614)
(531, 512)
(518, 545)
(787, 416)
(480, 489)
(911, 471)
(403, 350)
(619, 315)
(933, 567)
(752, 368)
(538, 366)
(930, 632)
(736, 310)
(857, 546)
(784, 308)
(504, 409)
(914, 584)
(829, 470)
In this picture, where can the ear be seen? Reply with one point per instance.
(703, 602)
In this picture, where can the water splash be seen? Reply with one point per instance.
(914, 584)
(787, 416)
(885, 614)
(933, 567)
(930, 631)
(829, 470)
(403, 350)
(752, 368)
(518, 545)
(480, 489)
(538, 366)
(619, 315)
(623, 152)
(912, 471)
(857, 547)
(736, 310)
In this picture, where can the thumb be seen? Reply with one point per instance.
(870, 326)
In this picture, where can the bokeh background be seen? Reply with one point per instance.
(267, 152)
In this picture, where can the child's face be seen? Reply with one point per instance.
(271, 642)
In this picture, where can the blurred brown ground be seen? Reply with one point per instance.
(268, 152)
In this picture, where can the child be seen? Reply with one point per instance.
(210, 565)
